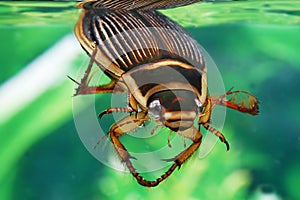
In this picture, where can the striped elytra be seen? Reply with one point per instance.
(159, 65)
(130, 38)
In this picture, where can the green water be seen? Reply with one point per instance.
(255, 45)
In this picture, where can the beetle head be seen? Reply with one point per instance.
(176, 109)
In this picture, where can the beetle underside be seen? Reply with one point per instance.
(238, 100)
(159, 65)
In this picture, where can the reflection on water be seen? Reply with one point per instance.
(209, 13)
(255, 46)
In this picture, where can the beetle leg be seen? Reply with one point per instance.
(205, 118)
(239, 100)
(123, 122)
(191, 133)
(217, 133)
(128, 124)
(83, 87)
(111, 87)
(124, 126)
(111, 110)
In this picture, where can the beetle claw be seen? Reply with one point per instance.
(227, 145)
(101, 114)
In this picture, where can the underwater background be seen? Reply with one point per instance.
(255, 45)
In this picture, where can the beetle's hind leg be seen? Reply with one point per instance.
(83, 85)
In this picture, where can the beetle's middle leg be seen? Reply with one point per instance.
(132, 107)
(124, 126)
(191, 133)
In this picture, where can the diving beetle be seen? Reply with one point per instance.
(159, 65)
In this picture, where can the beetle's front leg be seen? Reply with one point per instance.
(194, 135)
(124, 126)
(191, 133)
(205, 118)
(132, 107)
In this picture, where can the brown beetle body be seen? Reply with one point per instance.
(160, 66)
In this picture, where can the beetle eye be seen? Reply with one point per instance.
(199, 106)
(155, 108)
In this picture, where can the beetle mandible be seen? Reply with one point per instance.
(159, 65)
